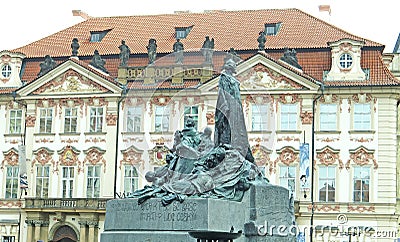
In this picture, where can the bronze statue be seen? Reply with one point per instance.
(261, 41)
(75, 47)
(290, 57)
(46, 65)
(178, 51)
(97, 62)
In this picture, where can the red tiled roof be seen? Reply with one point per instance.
(7, 90)
(237, 29)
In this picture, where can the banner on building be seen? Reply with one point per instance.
(23, 178)
(305, 166)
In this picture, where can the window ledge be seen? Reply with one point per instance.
(289, 132)
(95, 133)
(44, 134)
(132, 133)
(70, 134)
(328, 132)
(260, 132)
(14, 135)
(162, 132)
(361, 131)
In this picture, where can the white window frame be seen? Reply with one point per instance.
(328, 117)
(285, 177)
(188, 112)
(361, 179)
(45, 120)
(259, 117)
(6, 71)
(131, 179)
(288, 117)
(362, 120)
(134, 116)
(96, 120)
(327, 177)
(14, 178)
(93, 181)
(41, 190)
(67, 181)
(71, 117)
(15, 121)
(345, 61)
(162, 113)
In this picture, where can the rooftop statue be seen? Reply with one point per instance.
(261, 41)
(290, 57)
(97, 62)
(46, 65)
(124, 54)
(199, 167)
(152, 50)
(178, 51)
(75, 47)
(207, 50)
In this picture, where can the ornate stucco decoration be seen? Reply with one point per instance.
(94, 156)
(324, 208)
(14, 105)
(191, 101)
(160, 101)
(157, 155)
(70, 82)
(111, 119)
(362, 156)
(286, 155)
(362, 98)
(46, 103)
(132, 102)
(328, 156)
(258, 99)
(10, 158)
(70, 103)
(43, 156)
(131, 156)
(360, 208)
(30, 121)
(261, 154)
(261, 77)
(210, 118)
(68, 156)
(306, 117)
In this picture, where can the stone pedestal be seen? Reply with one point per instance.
(152, 222)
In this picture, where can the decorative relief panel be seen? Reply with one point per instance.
(362, 98)
(71, 102)
(10, 158)
(191, 101)
(43, 156)
(68, 156)
(94, 156)
(30, 121)
(131, 156)
(160, 101)
(362, 156)
(261, 154)
(286, 155)
(111, 119)
(329, 156)
(258, 99)
(210, 118)
(306, 117)
(158, 155)
(132, 102)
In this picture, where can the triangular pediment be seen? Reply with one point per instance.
(261, 73)
(70, 78)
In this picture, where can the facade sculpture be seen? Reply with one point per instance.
(290, 57)
(124, 53)
(152, 50)
(98, 62)
(46, 65)
(178, 51)
(207, 50)
(75, 47)
(261, 41)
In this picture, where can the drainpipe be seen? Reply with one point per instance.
(312, 158)
(123, 96)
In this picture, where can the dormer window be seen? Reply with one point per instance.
(182, 32)
(345, 61)
(97, 36)
(6, 71)
(272, 28)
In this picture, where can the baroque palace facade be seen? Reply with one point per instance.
(85, 123)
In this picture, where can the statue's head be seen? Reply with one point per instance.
(190, 123)
(230, 65)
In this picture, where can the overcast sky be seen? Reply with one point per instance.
(26, 21)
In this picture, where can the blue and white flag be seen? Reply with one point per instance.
(305, 166)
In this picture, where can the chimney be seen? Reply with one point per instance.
(325, 12)
(81, 14)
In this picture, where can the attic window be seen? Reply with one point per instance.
(6, 71)
(272, 28)
(97, 36)
(182, 32)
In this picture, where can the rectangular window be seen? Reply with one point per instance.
(130, 179)
(95, 37)
(362, 116)
(192, 111)
(289, 116)
(287, 178)
(12, 182)
(8, 239)
(70, 120)
(42, 182)
(259, 115)
(67, 181)
(93, 181)
(361, 184)
(15, 121)
(162, 119)
(46, 120)
(326, 183)
(96, 119)
(327, 114)
(134, 119)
